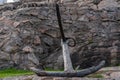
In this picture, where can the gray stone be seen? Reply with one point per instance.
(33, 58)
(83, 18)
(30, 36)
(4, 55)
(27, 49)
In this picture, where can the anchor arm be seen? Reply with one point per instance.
(80, 73)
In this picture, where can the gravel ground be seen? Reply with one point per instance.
(34, 77)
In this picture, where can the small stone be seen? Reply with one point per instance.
(4, 56)
(9, 48)
(68, 21)
(113, 55)
(37, 40)
(27, 49)
(46, 78)
(58, 78)
(8, 22)
(28, 78)
(15, 24)
(48, 40)
(43, 28)
(2, 18)
(115, 49)
(41, 17)
(83, 18)
(104, 15)
(53, 33)
(108, 3)
(74, 17)
(33, 58)
(36, 78)
(7, 13)
(93, 18)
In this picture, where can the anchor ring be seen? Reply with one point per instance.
(71, 42)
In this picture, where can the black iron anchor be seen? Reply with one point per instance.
(68, 68)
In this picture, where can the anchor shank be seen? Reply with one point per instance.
(66, 56)
(60, 23)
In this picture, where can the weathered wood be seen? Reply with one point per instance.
(80, 73)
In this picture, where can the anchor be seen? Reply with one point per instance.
(68, 68)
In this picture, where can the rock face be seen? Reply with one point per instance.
(29, 34)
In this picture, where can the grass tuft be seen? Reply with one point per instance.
(95, 75)
(10, 72)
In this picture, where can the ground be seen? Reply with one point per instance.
(109, 73)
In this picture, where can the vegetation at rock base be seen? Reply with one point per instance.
(96, 75)
(11, 72)
(14, 72)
